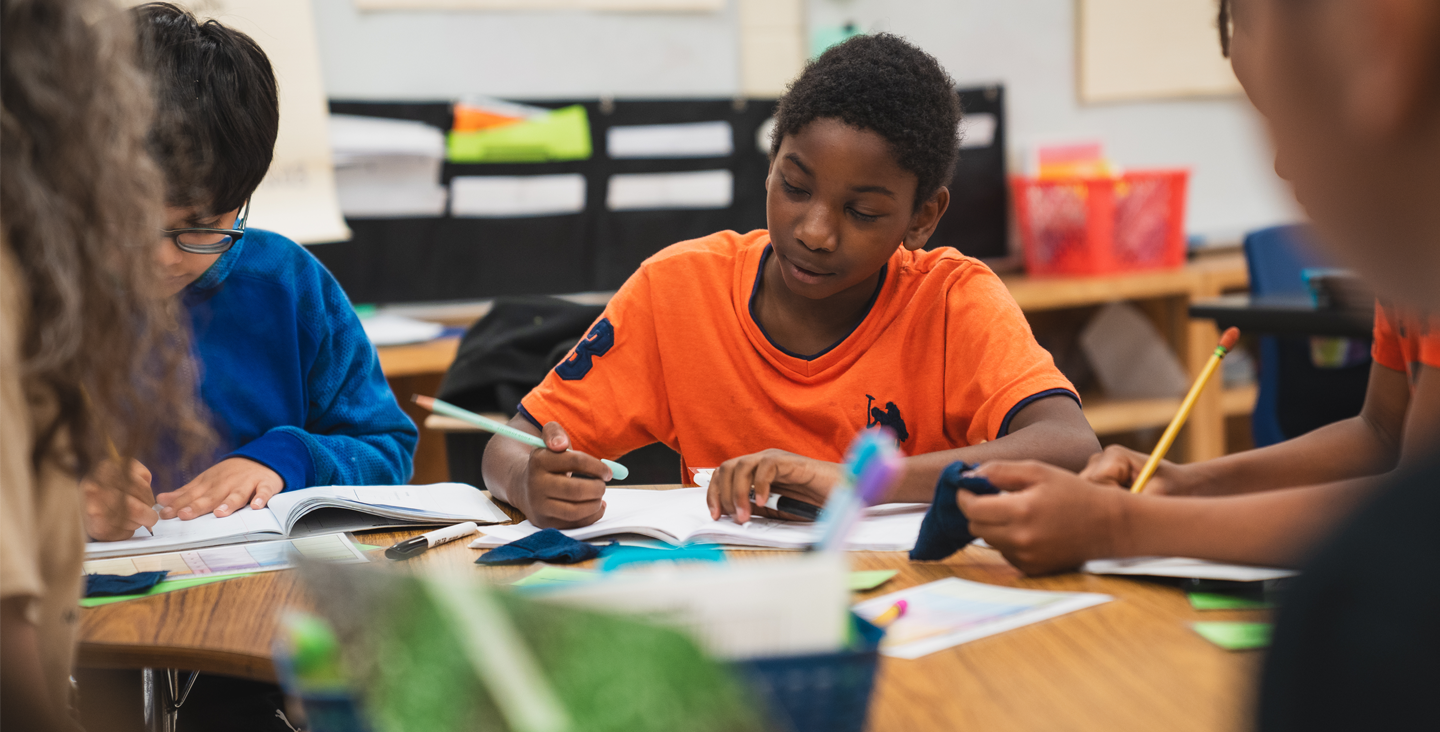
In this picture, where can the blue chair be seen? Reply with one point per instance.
(1295, 396)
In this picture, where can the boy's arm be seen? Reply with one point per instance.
(1050, 520)
(1367, 444)
(355, 433)
(1052, 430)
(550, 486)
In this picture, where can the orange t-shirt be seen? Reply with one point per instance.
(1404, 340)
(943, 357)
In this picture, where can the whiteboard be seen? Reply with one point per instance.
(297, 197)
(1150, 49)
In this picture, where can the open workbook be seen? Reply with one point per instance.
(682, 517)
(313, 511)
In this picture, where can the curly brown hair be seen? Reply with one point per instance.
(80, 208)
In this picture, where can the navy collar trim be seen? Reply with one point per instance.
(756, 291)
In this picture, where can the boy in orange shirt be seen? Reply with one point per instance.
(763, 354)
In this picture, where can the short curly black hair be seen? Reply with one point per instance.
(882, 83)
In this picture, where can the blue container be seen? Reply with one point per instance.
(825, 692)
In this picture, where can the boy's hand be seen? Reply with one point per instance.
(559, 494)
(225, 488)
(1046, 519)
(802, 478)
(117, 502)
(1120, 466)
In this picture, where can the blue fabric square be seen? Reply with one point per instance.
(546, 545)
(945, 530)
(108, 585)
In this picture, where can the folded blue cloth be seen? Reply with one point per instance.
(945, 530)
(107, 585)
(546, 545)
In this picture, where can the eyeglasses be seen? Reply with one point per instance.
(209, 241)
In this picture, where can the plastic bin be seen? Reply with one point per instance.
(1102, 225)
(827, 692)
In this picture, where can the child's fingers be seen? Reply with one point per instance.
(735, 494)
(235, 499)
(264, 492)
(570, 461)
(555, 438)
(996, 509)
(573, 489)
(559, 514)
(1017, 475)
(139, 514)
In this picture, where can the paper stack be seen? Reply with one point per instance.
(387, 168)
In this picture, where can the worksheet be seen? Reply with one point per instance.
(681, 516)
(263, 556)
(952, 611)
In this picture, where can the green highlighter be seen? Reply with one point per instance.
(1235, 636)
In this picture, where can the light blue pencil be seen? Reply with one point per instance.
(620, 472)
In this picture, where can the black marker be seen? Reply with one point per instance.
(417, 545)
(786, 504)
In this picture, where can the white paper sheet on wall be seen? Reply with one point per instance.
(645, 191)
(690, 140)
(297, 197)
(387, 167)
(503, 196)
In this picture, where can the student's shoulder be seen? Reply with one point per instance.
(946, 269)
(278, 259)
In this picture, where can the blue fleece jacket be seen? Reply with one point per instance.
(287, 373)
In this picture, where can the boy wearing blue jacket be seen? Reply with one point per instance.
(293, 387)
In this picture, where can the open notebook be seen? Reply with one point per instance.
(681, 517)
(313, 511)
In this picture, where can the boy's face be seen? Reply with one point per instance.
(838, 205)
(1347, 88)
(179, 268)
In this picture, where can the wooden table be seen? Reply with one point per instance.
(1131, 664)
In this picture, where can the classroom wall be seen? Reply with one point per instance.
(1028, 44)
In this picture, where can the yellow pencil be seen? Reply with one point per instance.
(1227, 342)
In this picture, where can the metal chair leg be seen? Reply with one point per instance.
(164, 696)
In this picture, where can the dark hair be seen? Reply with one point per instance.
(217, 107)
(882, 83)
(100, 353)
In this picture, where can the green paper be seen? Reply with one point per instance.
(563, 134)
(368, 547)
(1222, 601)
(550, 576)
(160, 589)
(1235, 636)
(870, 579)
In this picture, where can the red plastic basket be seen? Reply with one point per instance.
(1102, 225)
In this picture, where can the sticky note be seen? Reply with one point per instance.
(549, 576)
(1222, 601)
(1235, 636)
(870, 579)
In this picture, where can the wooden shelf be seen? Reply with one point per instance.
(1239, 401)
(1112, 416)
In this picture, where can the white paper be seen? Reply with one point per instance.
(689, 140)
(733, 610)
(264, 556)
(681, 516)
(503, 196)
(328, 509)
(977, 130)
(952, 611)
(397, 330)
(704, 189)
(1185, 568)
(387, 168)
(354, 136)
